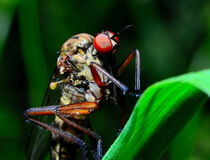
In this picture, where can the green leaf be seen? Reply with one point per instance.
(183, 145)
(161, 112)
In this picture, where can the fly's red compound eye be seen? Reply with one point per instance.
(103, 42)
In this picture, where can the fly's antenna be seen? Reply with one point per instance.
(122, 30)
(126, 28)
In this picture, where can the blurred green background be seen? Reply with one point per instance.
(173, 37)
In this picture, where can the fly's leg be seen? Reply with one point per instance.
(115, 81)
(83, 109)
(67, 110)
(123, 115)
(71, 109)
(112, 70)
(96, 147)
(87, 131)
(67, 136)
(96, 77)
(125, 63)
(94, 66)
(120, 69)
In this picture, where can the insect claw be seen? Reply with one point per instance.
(135, 93)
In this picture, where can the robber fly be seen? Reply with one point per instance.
(83, 83)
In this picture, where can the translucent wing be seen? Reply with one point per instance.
(38, 145)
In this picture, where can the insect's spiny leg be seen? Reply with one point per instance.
(47, 110)
(125, 63)
(84, 153)
(67, 136)
(96, 77)
(87, 131)
(79, 127)
(112, 78)
(137, 72)
(99, 149)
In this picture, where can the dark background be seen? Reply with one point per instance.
(173, 37)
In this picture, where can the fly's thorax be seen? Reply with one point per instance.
(76, 94)
(71, 94)
(82, 90)
(71, 46)
(82, 40)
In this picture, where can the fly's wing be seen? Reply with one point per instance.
(39, 143)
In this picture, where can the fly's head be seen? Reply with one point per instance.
(106, 43)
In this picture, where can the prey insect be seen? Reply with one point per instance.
(83, 83)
